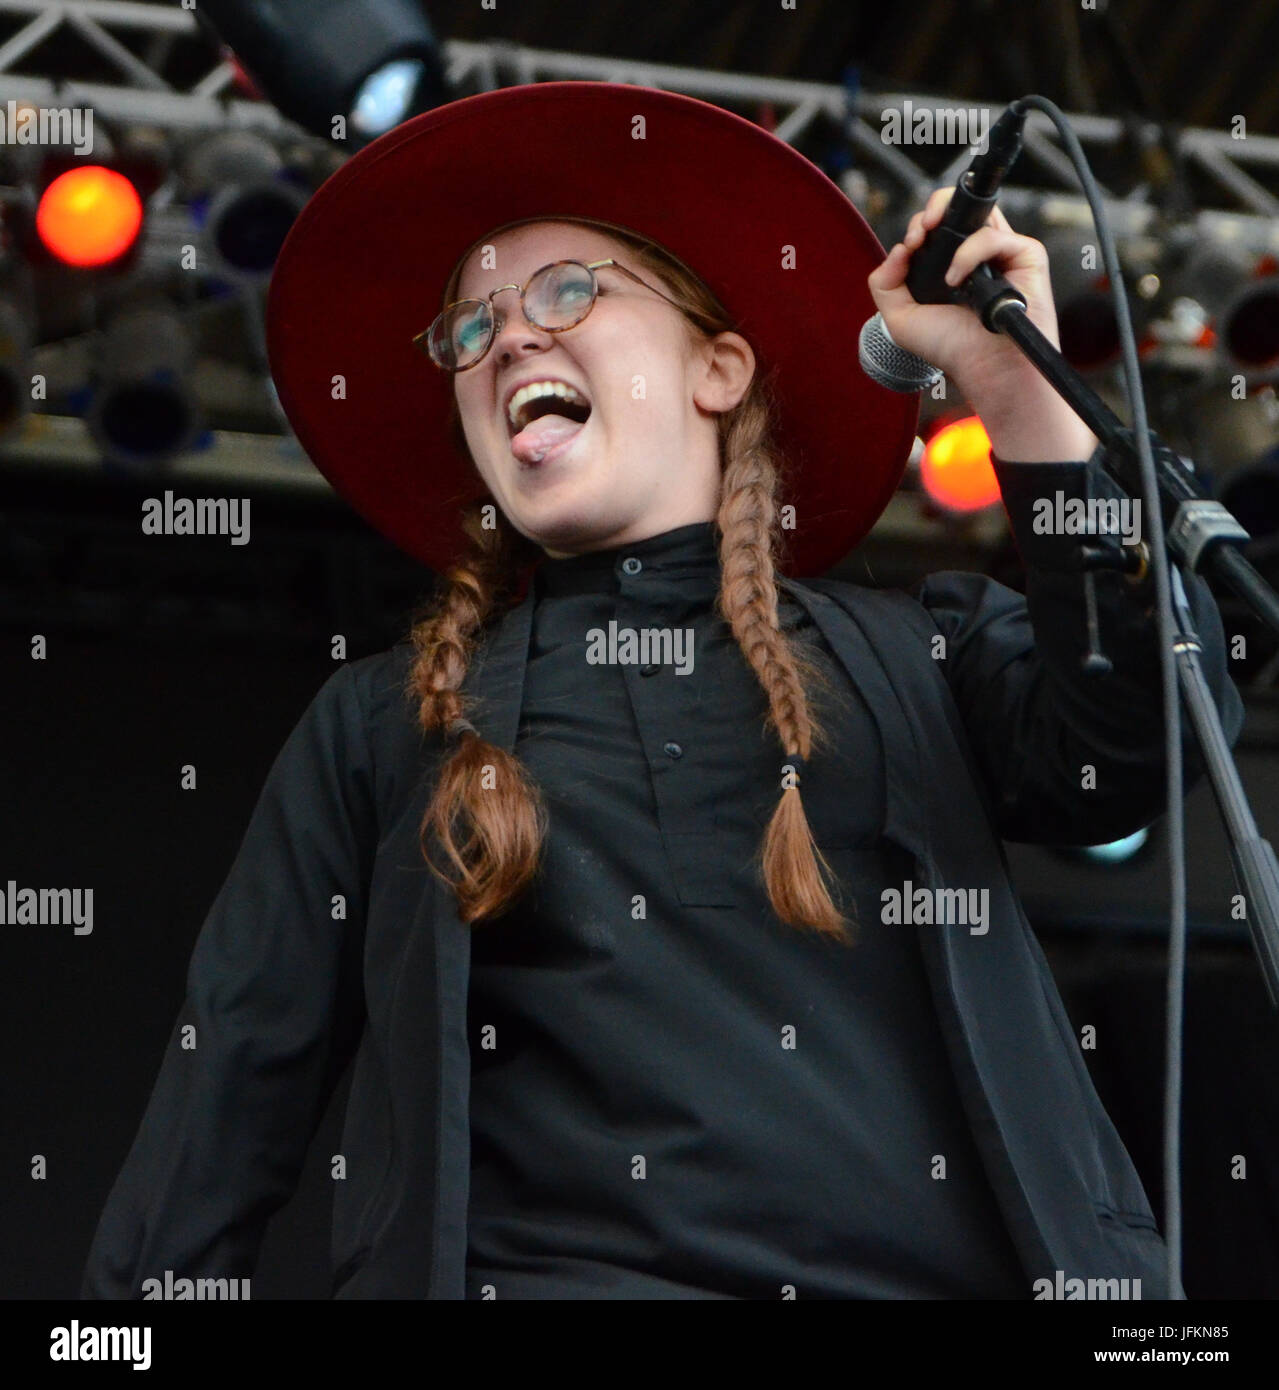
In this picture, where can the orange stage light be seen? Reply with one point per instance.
(956, 470)
(89, 216)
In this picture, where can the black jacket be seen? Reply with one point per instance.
(331, 940)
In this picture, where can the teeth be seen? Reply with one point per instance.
(540, 388)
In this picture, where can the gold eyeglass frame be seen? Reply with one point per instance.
(421, 341)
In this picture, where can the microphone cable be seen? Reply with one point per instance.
(1168, 636)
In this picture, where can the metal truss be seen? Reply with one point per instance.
(143, 94)
(799, 104)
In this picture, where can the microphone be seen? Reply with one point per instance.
(892, 366)
(969, 207)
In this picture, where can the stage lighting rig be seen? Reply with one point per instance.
(343, 69)
(244, 202)
(143, 411)
(1237, 286)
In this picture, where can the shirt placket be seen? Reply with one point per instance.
(664, 717)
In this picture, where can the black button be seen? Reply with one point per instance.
(649, 670)
(631, 565)
(673, 750)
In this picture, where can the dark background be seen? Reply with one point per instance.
(98, 733)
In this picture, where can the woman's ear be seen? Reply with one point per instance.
(727, 367)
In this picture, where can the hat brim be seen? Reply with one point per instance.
(364, 265)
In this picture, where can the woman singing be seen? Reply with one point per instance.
(654, 890)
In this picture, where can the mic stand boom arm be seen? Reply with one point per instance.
(1200, 533)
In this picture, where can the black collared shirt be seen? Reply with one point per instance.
(674, 1094)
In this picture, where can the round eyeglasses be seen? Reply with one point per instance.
(556, 297)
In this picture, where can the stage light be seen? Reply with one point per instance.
(89, 216)
(239, 195)
(144, 411)
(1086, 324)
(1238, 289)
(1117, 851)
(955, 469)
(1249, 330)
(385, 97)
(372, 62)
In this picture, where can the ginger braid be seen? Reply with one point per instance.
(747, 520)
(481, 784)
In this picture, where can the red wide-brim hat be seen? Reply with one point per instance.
(364, 267)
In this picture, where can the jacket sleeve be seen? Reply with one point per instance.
(1066, 757)
(273, 1010)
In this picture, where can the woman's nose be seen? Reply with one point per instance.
(511, 327)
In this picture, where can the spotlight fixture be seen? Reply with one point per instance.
(1238, 289)
(144, 411)
(243, 202)
(371, 63)
(1086, 322)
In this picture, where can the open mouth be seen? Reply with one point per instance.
(543, 415)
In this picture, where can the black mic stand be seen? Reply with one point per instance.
(1200, 533)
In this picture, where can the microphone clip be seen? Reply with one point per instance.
(987, 293)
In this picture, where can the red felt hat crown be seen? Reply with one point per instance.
(363, 269)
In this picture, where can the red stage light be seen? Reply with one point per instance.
(956, 470)
(89, 216)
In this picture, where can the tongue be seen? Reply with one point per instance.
(541, 435)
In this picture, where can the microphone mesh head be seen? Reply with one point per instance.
(891, 366)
